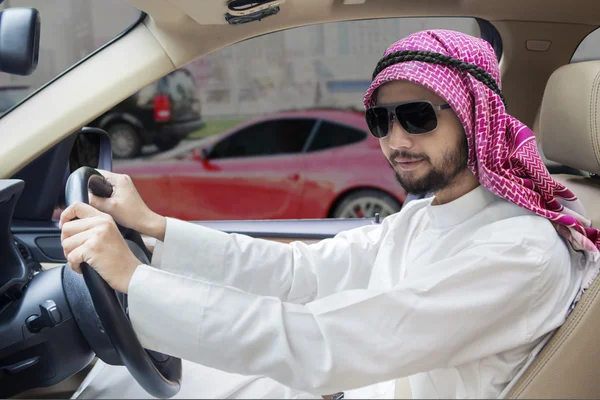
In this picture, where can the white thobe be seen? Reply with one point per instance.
(455, 297)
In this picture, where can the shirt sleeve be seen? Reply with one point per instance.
(157, 254)
(295, 272)
(477, 304)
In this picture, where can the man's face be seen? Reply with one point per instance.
(428, 162)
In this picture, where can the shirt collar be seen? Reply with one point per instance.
(458, 211)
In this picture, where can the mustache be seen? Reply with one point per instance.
(408, 156)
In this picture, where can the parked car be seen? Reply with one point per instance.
(162, 113)
(290, 165)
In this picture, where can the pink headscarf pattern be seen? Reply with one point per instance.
(503, 153)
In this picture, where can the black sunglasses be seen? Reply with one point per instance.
(416, 117)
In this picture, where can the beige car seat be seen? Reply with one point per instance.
(569, 365)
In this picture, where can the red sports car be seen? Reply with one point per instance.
(291, 165)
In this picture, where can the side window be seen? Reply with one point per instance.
(261, 98)
(331, 135)
(588, 49)
(268, 138)
(9, 96)
(180, 86)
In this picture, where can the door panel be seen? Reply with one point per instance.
(253, 173)
(245, 188)
(38, 241)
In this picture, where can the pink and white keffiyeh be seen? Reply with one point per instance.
(503, 154)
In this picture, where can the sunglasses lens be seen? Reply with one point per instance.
(417, 118)
(378, 121)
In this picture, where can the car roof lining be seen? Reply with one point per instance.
(211, 12)
(179, 25)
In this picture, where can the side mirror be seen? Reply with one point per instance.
(91, 149)
(200, 154)
(19, 40)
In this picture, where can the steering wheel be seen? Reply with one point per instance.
(158, 374)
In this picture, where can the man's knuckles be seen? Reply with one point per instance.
(74, 258)
(106, 227)
(79, 208)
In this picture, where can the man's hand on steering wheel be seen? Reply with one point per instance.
(91, 236)
(94, 244)
(125, 204)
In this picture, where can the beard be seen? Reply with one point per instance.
(441, 175)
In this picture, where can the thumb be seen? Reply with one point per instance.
(99, 186)
(99, 203)
(109, 176)
(100, 191)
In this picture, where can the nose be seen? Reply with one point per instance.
(398, 137)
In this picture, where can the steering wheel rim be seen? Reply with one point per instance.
(159, 375)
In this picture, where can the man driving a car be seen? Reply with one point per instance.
(455, 292)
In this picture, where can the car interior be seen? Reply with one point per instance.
(54, 324)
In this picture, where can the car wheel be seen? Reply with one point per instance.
(165, 144)
(125, 140)
(365, 204)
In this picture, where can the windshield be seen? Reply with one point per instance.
(70, 31)
(9, 96)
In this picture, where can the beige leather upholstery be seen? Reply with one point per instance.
(588, 191)
(568, 366)
(570, 116)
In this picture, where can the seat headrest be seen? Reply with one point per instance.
(570, 116)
